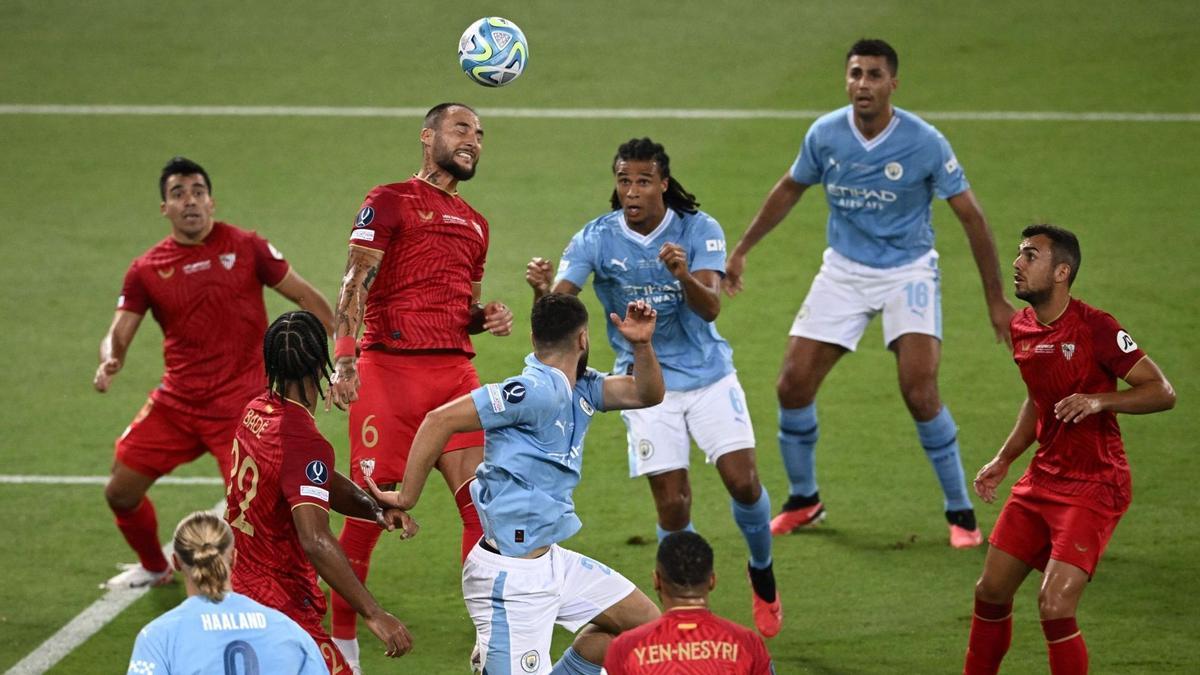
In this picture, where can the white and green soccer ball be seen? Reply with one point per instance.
(493, 52)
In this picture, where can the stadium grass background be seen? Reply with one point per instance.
(876, 590)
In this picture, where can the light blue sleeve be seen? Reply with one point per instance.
(949, 179)
(148, 657)
(706, 247)
(576, 264)
(314, 663)
(516, 402)
(592, 387)
(808, 167)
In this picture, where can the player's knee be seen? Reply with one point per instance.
(793, 391)
(1054, 605)
(745, 489)
(121, 499)
(992, 593)
(674, 509)
(922, 398)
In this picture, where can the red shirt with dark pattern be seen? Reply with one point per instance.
(1083, 351)
(208, 299)
(434, 246)
(688, 641)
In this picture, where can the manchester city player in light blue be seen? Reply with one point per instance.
(216, 630)
(517, 581)
(880, 167)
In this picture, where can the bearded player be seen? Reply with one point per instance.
(414, 278)
(281, 488)
(1063, 510)
(203, 284)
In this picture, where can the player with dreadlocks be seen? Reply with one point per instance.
(282, 488)
(657, 246)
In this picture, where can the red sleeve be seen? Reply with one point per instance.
(378, 220)
(477, 270)
(305, 470)
(1116, 351)
(269, 265)
(134, 297)
(618, 651)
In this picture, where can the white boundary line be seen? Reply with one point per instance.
(85, 624)
(572, 113)
(102, 480)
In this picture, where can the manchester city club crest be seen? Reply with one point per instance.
(1068, 350)
(645, 448)
(530, 661)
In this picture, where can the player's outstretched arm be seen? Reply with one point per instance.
(350, 500)
(295, 288)
(645, 387)
(701, 289)
(983, 247)
(778, 204)
(361, 267)
(539, 274)
(1148, 392)
(114, 346)
(312, 527)
(1023, 434)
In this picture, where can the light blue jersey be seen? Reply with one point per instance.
(532, 455)
(236, 636)
(879, 190)
(691, 352)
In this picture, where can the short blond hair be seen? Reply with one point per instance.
(201, 541)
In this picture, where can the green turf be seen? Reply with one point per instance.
(876, 590)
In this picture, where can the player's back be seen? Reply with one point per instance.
(235, 635)
(689, 641)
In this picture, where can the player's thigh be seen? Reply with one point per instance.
(657, 436)
(1080, 535)
(593, 592)
(1022, 532)
(1003, 573)
(158, 440)
(805, 365)
(383, 420)
(911, 298)
(917, 359)
(513, 603)
(717, 418)
(836, 310)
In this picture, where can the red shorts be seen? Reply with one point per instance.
(397, 391)
(161, 438)
(299, 600)
(1035, 526)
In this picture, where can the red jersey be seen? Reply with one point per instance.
(280, 461)
(688, 641)
(208, 299)
(434, 246)
(1083, 351)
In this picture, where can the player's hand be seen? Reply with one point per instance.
(1076, 407)
(989, 478)
(638, 325)
(104, 374)
(389, 499)
(497, 318)
(675, 258)
(344, 383)
(538, 274)
(391, 632)
(1001, 313)
(391, 519)
(731, 283)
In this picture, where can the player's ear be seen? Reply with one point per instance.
(657, 580)
(1062, 273)
(176, 563)
(712, 581)
(427, 136)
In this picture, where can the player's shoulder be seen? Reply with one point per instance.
(832, 122)
(603, 223)
(697, 220)
(914, 126)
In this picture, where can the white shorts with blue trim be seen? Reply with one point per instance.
(515, 602)
(715, 415)
(846, 295)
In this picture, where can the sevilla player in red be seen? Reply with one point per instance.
(1063, 510)
(414, 277)
(203, 283)
(281, 488)
(688, 637)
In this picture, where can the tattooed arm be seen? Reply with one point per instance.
(361, 268)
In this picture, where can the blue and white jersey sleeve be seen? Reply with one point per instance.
(577, 260)
(519, 401)
(149, 653)
(591, 386)
(949, 179)
(808, 169)
(706, 245)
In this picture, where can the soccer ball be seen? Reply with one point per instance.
(492, 51)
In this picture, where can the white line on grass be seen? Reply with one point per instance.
(85, 624)
(572, 113)
(102, 480)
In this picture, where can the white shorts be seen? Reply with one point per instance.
(515, 603)
(845, 295)
(715, 415)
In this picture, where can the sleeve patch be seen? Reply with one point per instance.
(563, 265)
(365, 235)
(714, 245)
(274, 251)
(120, 301)
(315, 492)
(951, 164)
(496, 398)
(316, 472)
(514, 392)
(365, 216)
(1125, 343)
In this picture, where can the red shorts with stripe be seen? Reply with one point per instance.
(1037, 525)
(161, 438)
(298, 598)
(397, 390)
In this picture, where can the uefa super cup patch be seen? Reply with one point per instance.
(1124, 342)
(364, 217)
(514, 392)
(316, 472)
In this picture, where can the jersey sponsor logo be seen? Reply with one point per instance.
(514, 392)
(562, 426)
(530, 659)
(1124, 342)
(314, 492)
(835, 190)
(227, 260)
(1044, 348)
(496, 398)
(1068, 350)
(586, 407)
(165, 273)
(365, 235)
(274, 251)
(951, 164)
(317, 472)
(893, 170)
(620, 263)
(364, 217)
(453, 220)
(425, 215)
(645, 449)
(200, 266)
(714, 245)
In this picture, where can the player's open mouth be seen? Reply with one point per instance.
(465, 155)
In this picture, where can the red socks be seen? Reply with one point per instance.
(1068, 652)
(991, 634)
(358, 539)
(140, 528)
(472, 529)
